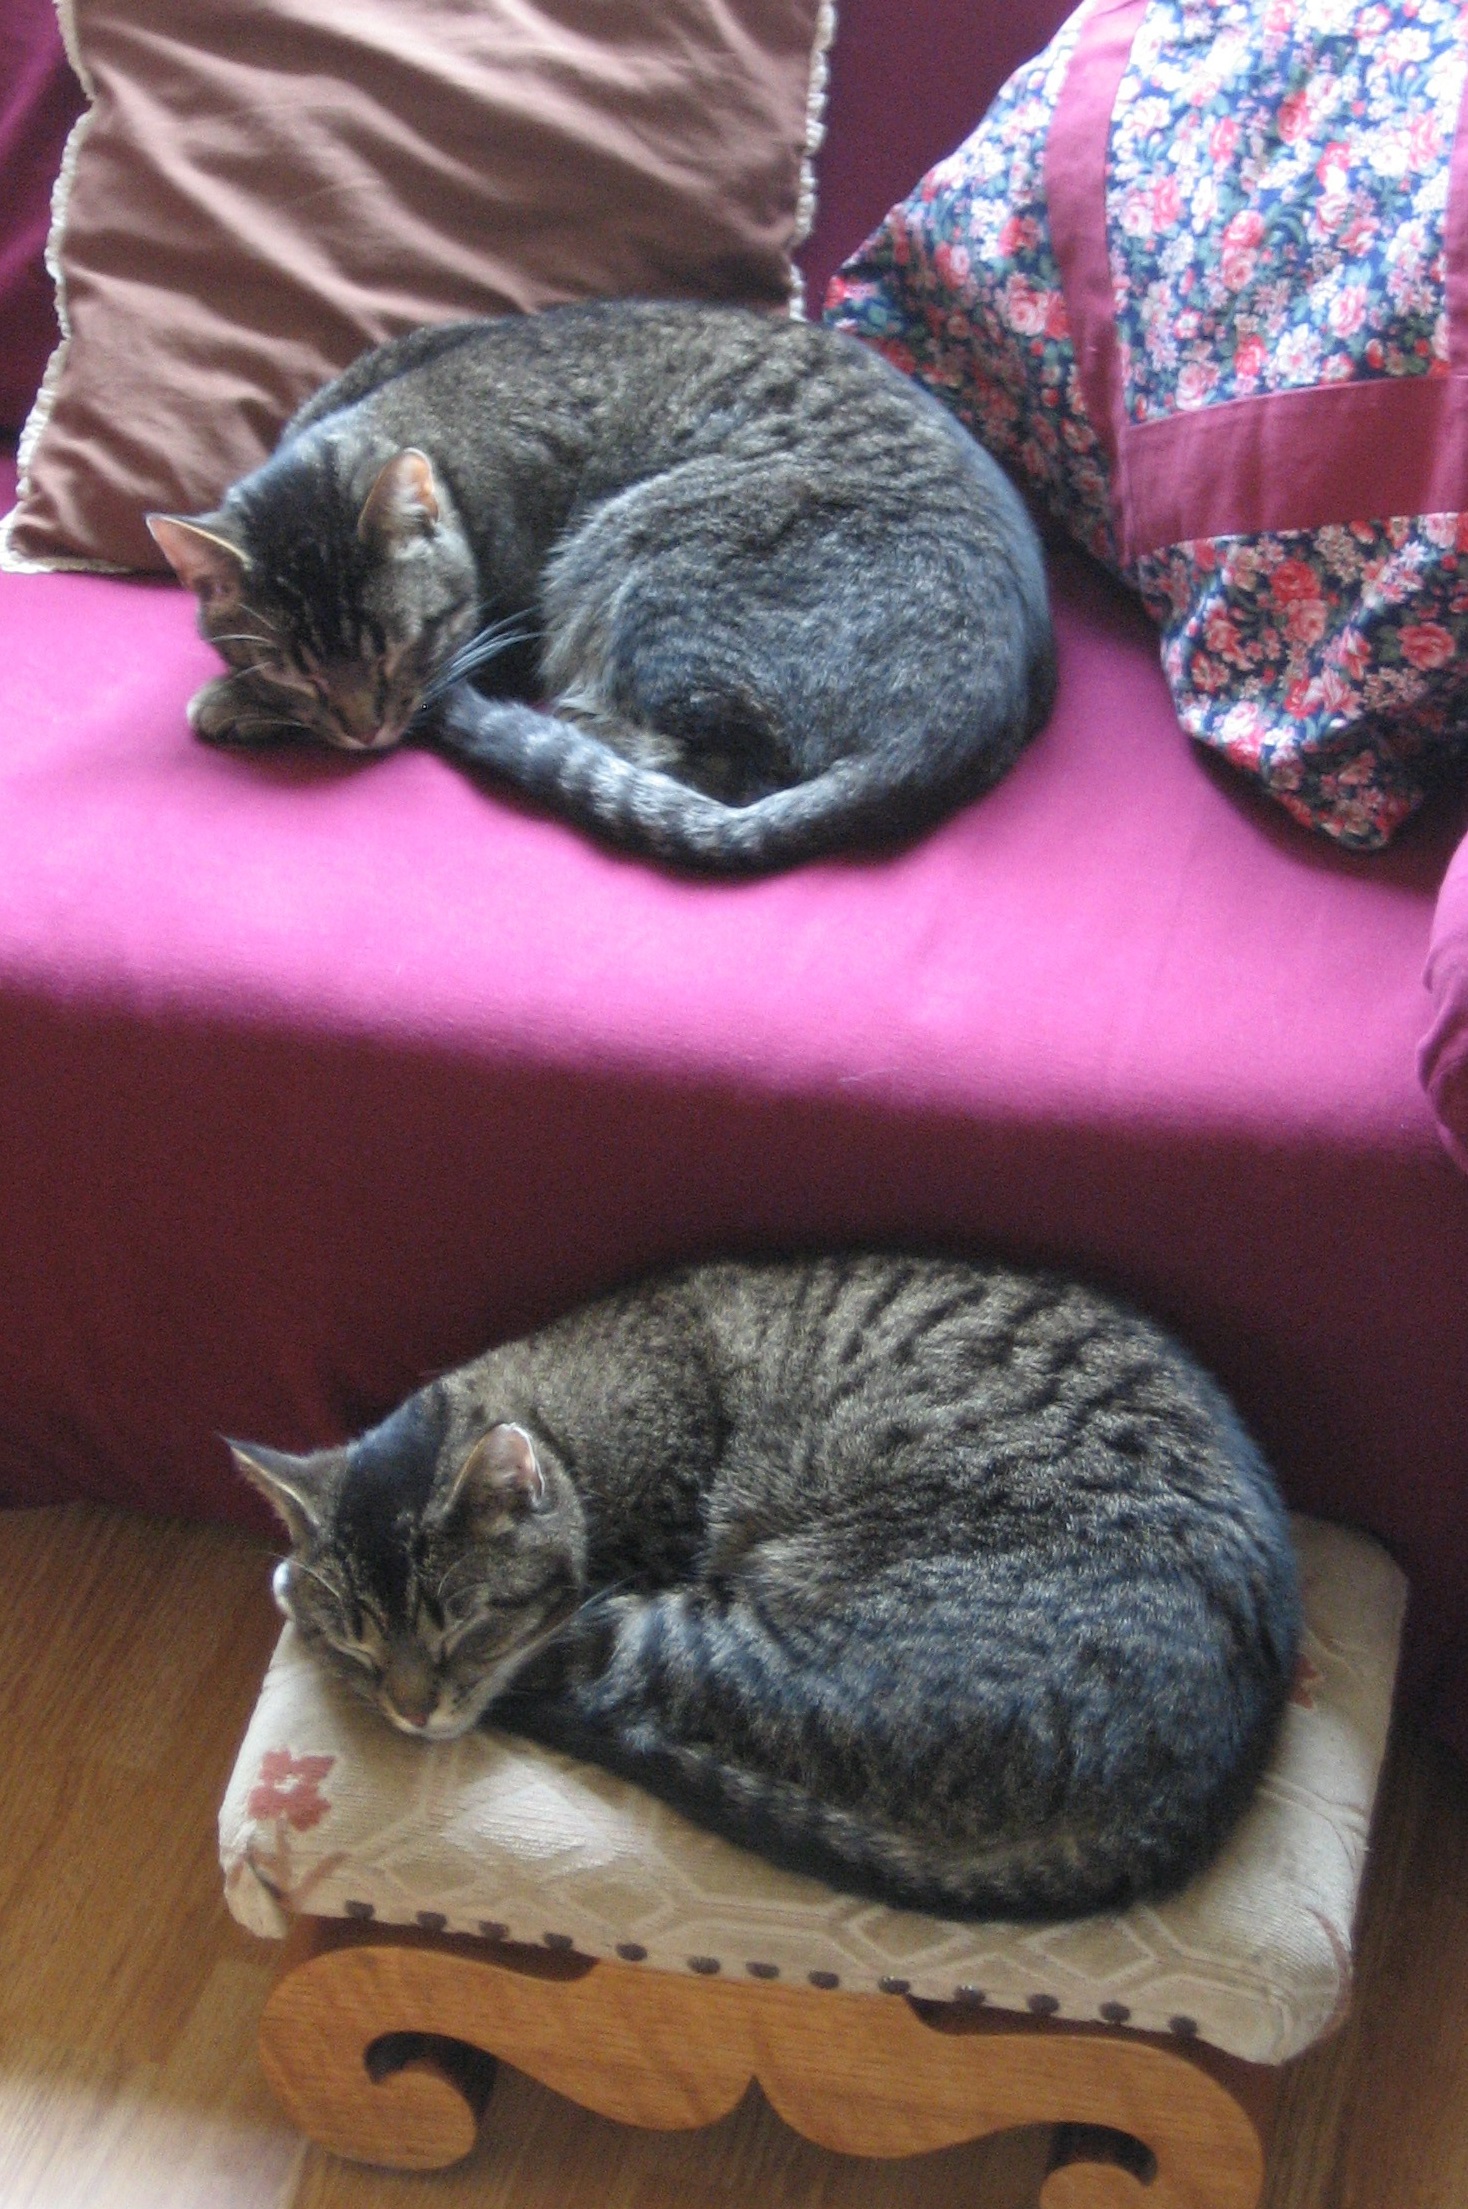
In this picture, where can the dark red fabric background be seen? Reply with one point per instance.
(40, 99)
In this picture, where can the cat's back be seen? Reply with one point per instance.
(975, 1367)
(655, 383)
(946, 1323)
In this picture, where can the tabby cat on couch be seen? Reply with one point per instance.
(956, 1586)
(781, 601)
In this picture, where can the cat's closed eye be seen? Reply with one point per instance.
(489, 1624)
(286, 678)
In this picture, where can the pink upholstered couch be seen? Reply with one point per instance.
(315, 1076)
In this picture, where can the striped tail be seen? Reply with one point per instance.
(1060, 1872)
(859, 801)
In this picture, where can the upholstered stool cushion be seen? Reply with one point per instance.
(331, 1813)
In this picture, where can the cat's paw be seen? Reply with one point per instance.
(224, 712)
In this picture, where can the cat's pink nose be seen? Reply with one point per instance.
(353, 707)
(409, 1687)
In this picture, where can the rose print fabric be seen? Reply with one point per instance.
(1273, 198)
(1277, 186)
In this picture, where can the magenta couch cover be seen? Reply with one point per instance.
(319, 1074)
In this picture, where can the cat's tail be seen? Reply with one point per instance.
(1065, 1870)
(859, 801)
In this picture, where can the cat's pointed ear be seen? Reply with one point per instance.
(200, 556)
(500, 1474)
(290, 1484)
(402, 504)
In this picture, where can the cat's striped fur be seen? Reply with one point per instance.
(780, 601)
(958, 1586)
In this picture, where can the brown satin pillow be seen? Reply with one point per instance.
(261, 191)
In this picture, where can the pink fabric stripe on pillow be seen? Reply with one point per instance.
(1075, 187)
(1347, 452)
(1455, 240)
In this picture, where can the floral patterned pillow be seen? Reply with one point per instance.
(1201, 277)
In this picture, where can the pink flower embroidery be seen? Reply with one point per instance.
(1293, 117)
(1426, 644)
(1353, 653)
(1246, 229)
(289, 1787)
(1025, 308)
(1307, 1678)
(1167, 202)
(1336, 694)
(1334, 165)
(1348, 309)
(1195, 382)
(1305, 621)
(1249, 358)
(1295, 579)
(953, 264)
(1018, 233)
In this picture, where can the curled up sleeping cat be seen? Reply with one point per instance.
(780, 602)
(952, 1585)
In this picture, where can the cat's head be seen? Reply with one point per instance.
(336, 607)
(428, 1564)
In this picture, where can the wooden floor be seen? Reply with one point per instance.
(129, 1655)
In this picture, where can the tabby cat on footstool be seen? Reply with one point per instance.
(956, 1586)
(781, 601)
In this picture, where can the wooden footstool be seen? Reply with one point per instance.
(451, 1903)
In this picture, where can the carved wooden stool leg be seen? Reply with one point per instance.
(370, 2034)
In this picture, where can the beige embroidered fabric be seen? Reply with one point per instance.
(331, 1813)
(259, 193)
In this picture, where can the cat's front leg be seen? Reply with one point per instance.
(227, 712)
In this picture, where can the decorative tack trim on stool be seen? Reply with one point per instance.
(763, 1971)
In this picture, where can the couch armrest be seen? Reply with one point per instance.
(1442, 1059)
